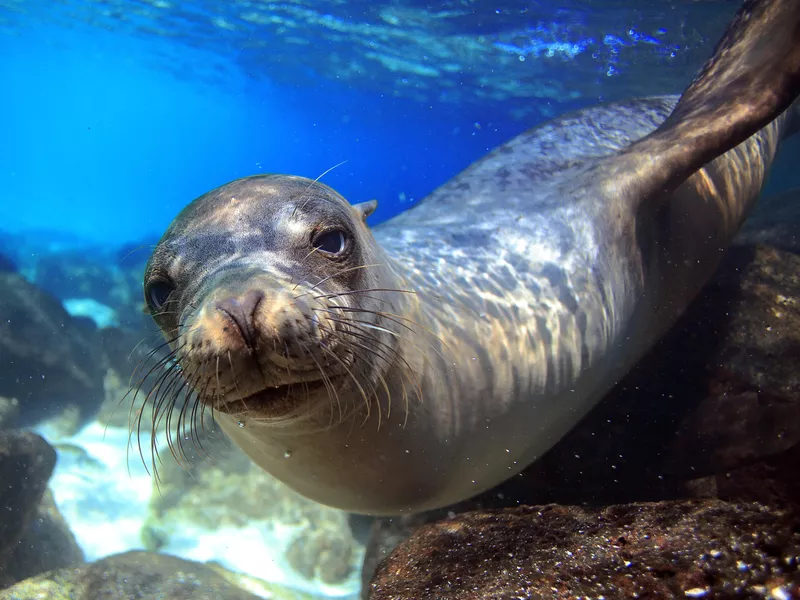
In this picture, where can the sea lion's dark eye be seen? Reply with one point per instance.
(157, 293)
(331, 242)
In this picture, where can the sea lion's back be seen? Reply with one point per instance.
(525, 175)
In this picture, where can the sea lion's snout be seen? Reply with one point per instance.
(271, 326)
(255, 343)
(240, 311)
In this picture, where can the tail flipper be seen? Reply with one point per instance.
(752, 77)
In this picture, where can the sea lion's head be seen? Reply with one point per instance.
(267, 291)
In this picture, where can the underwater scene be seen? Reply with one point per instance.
(399, 299)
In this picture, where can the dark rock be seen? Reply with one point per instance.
(143, 575)
(712, 411)
(134, 576)
(26, 463)
(49, 360)
(708, 549)
(47, 544)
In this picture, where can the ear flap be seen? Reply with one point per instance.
(365, 209)
(752, 77)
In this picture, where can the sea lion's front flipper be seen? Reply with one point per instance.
(752, 77)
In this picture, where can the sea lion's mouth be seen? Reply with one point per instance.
(277, 399)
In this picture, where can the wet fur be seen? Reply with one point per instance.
(463, 338)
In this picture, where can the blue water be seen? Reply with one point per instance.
(101, 143)
(116, 114)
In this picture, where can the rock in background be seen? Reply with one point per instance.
(145, 576)
(51, 360)
(33, 536)
(68, 317)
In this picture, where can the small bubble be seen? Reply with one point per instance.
(521, 58)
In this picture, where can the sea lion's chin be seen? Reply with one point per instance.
(278, 401)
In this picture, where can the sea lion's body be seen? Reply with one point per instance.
(542, 311)
(466, 336)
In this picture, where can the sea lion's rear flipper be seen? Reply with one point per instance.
(752, 77)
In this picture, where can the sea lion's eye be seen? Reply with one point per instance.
(331, 242)
(157, 293)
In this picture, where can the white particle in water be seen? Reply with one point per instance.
(779, 593)
(287, 454)
(241, 424)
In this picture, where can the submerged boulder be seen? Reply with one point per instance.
(26, 463)
(50, 360)
(46, 544)
(681, 549)
(33, 536)
(142, 576)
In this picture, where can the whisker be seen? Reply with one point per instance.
(352, 376)
(353, 292)
(324, 279)
(408, 371)
(310, 185)
(328, 384)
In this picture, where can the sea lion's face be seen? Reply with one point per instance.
(261, 288)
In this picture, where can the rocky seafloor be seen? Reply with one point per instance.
(681, 483)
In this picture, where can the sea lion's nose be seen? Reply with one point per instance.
(241, 310)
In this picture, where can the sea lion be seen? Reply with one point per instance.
(411, 366)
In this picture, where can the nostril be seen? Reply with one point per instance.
(250, 302)
(241, 310)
